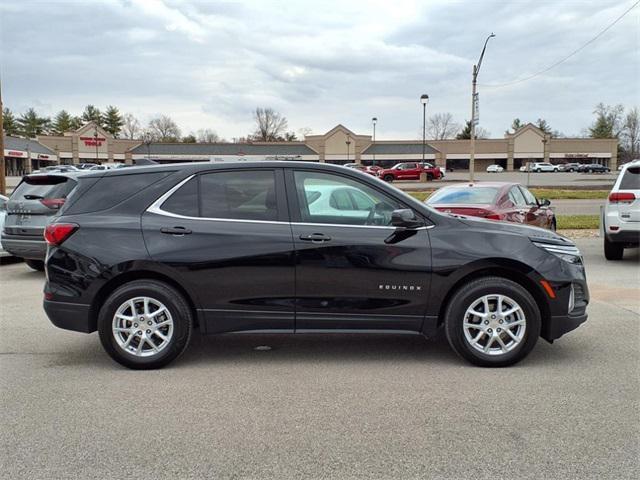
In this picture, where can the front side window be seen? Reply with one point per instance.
(516, 196)
(328, 198)
(528, 196)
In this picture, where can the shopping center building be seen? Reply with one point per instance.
(339, 145)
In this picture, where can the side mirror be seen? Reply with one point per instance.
(405, 218)
(544, 202)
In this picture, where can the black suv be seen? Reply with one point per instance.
(145, 256)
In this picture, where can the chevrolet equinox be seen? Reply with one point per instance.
(146, 256)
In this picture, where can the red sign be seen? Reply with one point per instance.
(93, 141)
(43, 156)
(13, 153)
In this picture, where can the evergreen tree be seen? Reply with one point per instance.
(32, 124)
(76, 122)
(9, 122)
(191, 138)
(112, 121)
(465, 134)
(62, 123)
(92, 114)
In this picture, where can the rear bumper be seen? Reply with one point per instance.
(25, 248)
(631, 237)
(69, 316)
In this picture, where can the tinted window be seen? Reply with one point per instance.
(184, 201)
(341, 200)
(631, 179)
(243, 195)
(470, 195)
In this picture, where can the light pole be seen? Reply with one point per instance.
(95, 140)
(348, 142)
(476, 70)
(374, 120)
(424, 99)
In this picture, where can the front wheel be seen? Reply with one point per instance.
(388, 178)
(429, 177)
(145, 324)
(492, 322)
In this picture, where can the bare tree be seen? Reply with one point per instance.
(164, 129)
(270, 125)
(304, 131)
(441, 126)
(130, 127)
(631, 133)
(207, 136)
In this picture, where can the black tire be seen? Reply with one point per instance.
(468, 294)
(429, 177)
(538, 171)
(172, 300)
(37, 265)
(571, 170)
(612, 250)
(388, 178)
(554, 225)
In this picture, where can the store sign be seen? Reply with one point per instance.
(476, 109)
(14, 153)
(576, 155)
(93, 141)
(42, 156)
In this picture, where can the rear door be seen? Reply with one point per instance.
(34, 201)
(355, 271)
(226, 236)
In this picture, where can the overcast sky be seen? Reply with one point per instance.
(209, 64)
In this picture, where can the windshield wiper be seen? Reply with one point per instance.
(33, 197)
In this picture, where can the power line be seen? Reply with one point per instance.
(582, 47)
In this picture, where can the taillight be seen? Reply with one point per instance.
(493, 216)
(621, 197)
(56, 233)
(52, 203)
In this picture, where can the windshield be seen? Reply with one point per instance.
(631, 179)
(463, 195)
(41, 191)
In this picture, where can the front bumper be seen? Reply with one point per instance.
(69, 316)
(28, 248)
(555, 327)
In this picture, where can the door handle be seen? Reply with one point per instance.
(315, 238)
(175, 230)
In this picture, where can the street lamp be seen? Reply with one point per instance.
(374, 120)
(476, 70)
(348, 142)
(424, 99)
(95, 140)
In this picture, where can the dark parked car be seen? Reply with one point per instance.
(146, 255)
(593, 168)
(510, 202)
(33, 203)
(569, 167)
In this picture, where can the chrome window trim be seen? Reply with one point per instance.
(155, 208)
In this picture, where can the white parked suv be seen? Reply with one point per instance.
(543, 167)
(621, 214)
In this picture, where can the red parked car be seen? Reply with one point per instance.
(409, 171)
(510, 202)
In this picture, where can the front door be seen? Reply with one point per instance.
(354, 271)
(226, 236)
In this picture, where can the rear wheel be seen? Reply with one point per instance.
(492, 322)
(35, 264)
(145, 324)
(429, 177)
(388, 178)
(612, 250)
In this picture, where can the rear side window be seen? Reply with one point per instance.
(184, 201)
(242, 195)
(631, 179)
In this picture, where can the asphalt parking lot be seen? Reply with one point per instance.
(323, 406)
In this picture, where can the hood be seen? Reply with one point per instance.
(534, 233)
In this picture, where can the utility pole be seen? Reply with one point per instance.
(374, 120)
(474, 101)
(348, 142)
(3, 180)
(95, 140)
(424, 99)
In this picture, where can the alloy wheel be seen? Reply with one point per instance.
(494, 324)
(142, 326)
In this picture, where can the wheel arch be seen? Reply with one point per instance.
(509, 269)
(128, 276)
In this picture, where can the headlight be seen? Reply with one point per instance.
(567, 253)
